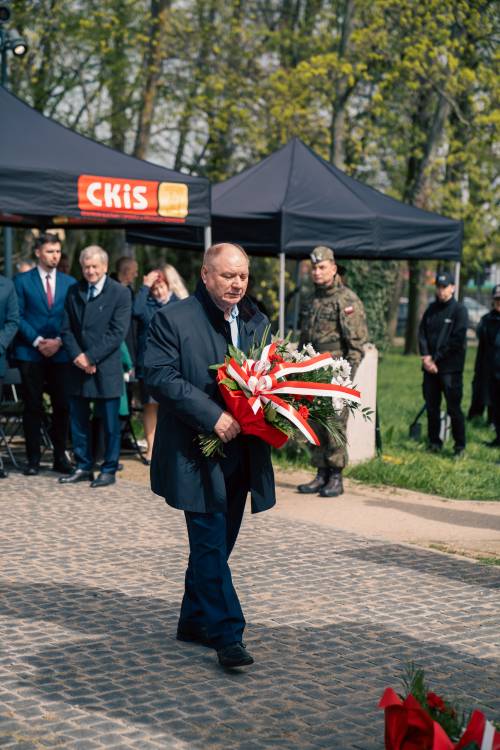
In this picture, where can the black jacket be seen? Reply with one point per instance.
(442, 334)
(488, 351)
(184, 340)
(96, 328)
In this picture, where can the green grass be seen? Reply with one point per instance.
(406, 463)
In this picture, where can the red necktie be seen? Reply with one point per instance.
(50, 299)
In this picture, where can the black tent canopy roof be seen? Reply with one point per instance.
(294, 200)
(51, 175)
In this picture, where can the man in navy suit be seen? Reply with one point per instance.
(39, 352)
(96, 320)
(184, 340)
(9, 321)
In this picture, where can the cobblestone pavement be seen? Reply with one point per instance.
(91, 583)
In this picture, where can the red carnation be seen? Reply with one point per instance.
(435, 701)
(304, 412)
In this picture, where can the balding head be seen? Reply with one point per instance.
(225, 274)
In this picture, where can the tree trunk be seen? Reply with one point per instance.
(392, 317)
(152, 63)
(418, 188)
(342, 93)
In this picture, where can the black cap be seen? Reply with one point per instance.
(444, 278)
(496, 292)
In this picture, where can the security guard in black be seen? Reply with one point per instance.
(442, 340)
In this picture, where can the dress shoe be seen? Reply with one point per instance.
(434, 448)
(193, 635)
(234, 655)
(31, 471)
(78, 475)
(334, 487)
(316, 484)
(493, 443)
(458, 451)
(3, 474)
(63, 466)
(103, 480)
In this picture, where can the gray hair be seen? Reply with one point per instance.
(92, 251)
(214, 250)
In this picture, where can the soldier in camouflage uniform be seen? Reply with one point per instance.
(332, 320)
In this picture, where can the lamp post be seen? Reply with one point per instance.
(18, 47)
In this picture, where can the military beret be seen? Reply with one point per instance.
(496, 292)
(321, 253)
(444, 278)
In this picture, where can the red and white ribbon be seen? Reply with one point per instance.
(260, 381)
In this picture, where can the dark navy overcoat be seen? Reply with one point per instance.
(96, 327)
(184, 340)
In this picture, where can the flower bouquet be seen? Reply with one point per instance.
(426, 721)
(277, 391)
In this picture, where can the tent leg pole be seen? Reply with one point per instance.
(207, 235)
(457, 279)
(7, 249)
(282, 296)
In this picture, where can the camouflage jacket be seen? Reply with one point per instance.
(333, 319)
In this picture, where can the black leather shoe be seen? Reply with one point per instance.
(78, 475)
(334, 487)
(316, 484)
(234, 655)
(458, 451)
(63, 467)
(31, 471)
(434, 448)
(191, 635)
(103, 480)
(3, 474)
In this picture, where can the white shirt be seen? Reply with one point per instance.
(98, 286)
(233, 325)
(52, 280)
(52, 283)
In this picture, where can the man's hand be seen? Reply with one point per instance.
(429, 364)
(226, 427)
(83, 362)
(49, 347)
(150, 278)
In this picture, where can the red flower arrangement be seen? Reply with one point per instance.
(424, 720)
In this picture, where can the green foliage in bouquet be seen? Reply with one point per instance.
(452, 717)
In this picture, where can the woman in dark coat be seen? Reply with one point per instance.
(153, 295)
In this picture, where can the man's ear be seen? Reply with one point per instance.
(204, 274)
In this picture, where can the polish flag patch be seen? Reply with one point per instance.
(349, 310)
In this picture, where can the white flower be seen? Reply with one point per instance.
(341, 369)
(309, 350)
(338, 404)
(261, 366)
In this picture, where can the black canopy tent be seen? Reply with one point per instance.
(294, 200)
(51, 176)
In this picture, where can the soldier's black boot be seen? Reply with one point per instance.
(334, 486)
(319, 481)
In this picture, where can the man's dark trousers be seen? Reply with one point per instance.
(210, 601)
(81, 432)
(36, 377)
(450, 384)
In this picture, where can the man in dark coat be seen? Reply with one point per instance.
(96, 320)
(489, 353)
(184, 340)
(39, 352)
(442, 340)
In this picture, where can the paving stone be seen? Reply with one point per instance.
(89, 597)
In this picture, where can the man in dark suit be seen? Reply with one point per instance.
(184, 340)
(39, 352)
(96, 319)
(9, 322)
(443, 339)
